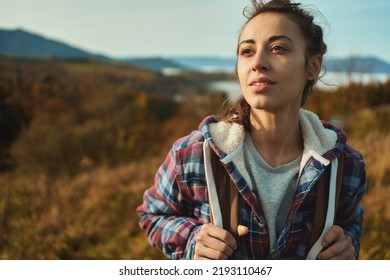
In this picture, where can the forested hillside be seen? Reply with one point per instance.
(81, 140)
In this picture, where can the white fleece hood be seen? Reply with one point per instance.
(317, 140)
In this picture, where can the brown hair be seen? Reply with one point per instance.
(313, 34)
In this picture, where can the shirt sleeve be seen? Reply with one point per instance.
(350, 213)
(165, 213)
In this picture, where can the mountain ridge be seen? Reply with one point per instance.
(21, 43)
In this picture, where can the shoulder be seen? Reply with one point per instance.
(196, 137)
(350, 153)
(353, 161)
(188, 141)
(354, 172)
(190, 147)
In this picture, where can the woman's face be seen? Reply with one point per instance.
(271, 63)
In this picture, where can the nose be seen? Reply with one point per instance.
(260, 61)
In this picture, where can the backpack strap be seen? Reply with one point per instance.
(322, 202)
(339, 181)
(228, 198)
(227, 195)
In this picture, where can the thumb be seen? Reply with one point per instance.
(242, 230)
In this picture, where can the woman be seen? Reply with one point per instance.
(273, 151)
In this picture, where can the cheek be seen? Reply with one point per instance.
(295, 70)
(239, 67)
(241, 71)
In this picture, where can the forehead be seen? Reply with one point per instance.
(266, 25)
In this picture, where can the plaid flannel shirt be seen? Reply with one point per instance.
(177, 204)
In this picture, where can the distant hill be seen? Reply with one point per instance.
(157, 64)
(357, 64)
(207, 63)
(22, 43)
(349, 64)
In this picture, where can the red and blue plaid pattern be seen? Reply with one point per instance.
(177, 204)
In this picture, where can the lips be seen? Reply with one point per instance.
(261, 84)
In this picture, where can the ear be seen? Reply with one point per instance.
(314, 67)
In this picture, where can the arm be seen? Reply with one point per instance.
(165, 213)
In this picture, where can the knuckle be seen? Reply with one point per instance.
(205, 227)
(335, 250)
(225, 235)
(338, 230)
(197, 252)
(225, 248)
(200, 238)
(220, 256)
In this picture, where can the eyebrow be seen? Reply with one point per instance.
(270, 40)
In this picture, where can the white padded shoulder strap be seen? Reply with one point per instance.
(330, 213)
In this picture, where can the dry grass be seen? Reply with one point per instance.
(109, 114)
(375, 148)
(92, 215)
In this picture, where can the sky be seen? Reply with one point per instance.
(128, 28)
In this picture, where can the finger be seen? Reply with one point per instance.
(219, 246)
(334, 233)
(204, 252)
(216, 239)
(330, 253)
(242, 230)
(221, 234)
(348, 251)
(342, 249)
(336, 253)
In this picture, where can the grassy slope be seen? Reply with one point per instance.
(91, 215)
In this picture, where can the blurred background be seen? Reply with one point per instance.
(94, 93)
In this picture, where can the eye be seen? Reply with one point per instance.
(246, 52)
(278, 49)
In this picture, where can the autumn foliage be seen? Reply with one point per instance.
(81, 140)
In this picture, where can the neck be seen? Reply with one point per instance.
(276, 136)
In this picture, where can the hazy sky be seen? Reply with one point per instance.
(122, 28)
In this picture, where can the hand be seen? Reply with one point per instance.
(338, 245)
(216, 243)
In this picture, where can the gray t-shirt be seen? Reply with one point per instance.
(274, 186)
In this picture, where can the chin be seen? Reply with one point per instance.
(260, 104)
(262, 107)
